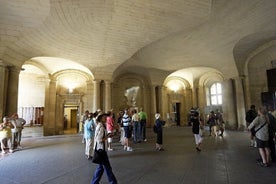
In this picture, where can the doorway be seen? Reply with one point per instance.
(70, 124)
(177, 113)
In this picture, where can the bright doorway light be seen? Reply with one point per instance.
(175, 85)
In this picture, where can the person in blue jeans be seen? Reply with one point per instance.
(136, 126)
(143, 122)
(100, 143)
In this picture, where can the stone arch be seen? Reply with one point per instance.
(257, 51)
(209, 78)
(251, 45)
(183, 82)
(179, 99)
(84, 74)
(38, 65)
(255, 76)
(139, 87)
(59, 97)
(71, 78)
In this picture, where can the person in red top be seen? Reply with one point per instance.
(109, 129)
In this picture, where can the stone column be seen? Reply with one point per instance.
(228, 104)
(201, 99)
(247, 92)
(12, 90)
(240, 105)
(153, 104)
(107, 97)
(163, 101)
(89, 95)
(188, 98)
(143, 100)
(188, 93)
(183, 107)
(3, 88)
(59, 114)
(194, 96)
(96, 97)
(50, 108)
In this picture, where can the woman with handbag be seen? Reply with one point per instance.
(100, 145)
(159, 132)
(261, 123)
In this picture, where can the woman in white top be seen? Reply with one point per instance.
(100, 143)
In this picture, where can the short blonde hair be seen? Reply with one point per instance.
(263, 110)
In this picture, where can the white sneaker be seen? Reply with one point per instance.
(125, 147)
(3, 152)
(110, 149)
(129, 149)
(145, 140)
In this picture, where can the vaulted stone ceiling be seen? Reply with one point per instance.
(113, 35)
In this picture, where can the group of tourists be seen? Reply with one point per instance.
(216, 123)
(99, 130)
(10, 133)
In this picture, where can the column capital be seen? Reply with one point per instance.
(96, 81)
(15, 69)
(239, 77)
(107, 82)
(3, 64)
(52, 78)
(162, 87)
(88, 82)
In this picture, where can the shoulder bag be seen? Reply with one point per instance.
(260, 127)
(99, 155)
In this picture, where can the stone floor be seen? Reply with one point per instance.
(60, 160)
